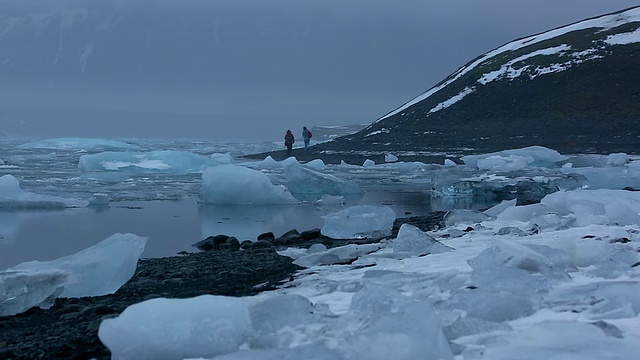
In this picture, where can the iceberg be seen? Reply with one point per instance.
(311, 185)
(86, 144)
(233, 184)
(358, 222)
(12, 196)
(176, 162)
(99, 270)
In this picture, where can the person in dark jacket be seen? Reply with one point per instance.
(306, 136)
(288, 141)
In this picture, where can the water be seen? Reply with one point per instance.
(165, 206)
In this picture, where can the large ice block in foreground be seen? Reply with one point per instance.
(168, 329)
(167, 161)
(86, 144)
(358, 222)
(99, 270)
(12, 196)
(515, 158)
(380, 324)
(233, 184)
(310, 185)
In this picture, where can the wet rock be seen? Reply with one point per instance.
(261, 244)
(310, 234)
(266, 236)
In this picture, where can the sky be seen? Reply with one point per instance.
(233, 70)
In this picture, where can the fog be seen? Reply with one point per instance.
(231, 69)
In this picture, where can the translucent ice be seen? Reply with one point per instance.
(99, 270)
(337, 255)
(360, 221)
(204, 326)
(232, 184)
(412, 240)
(310, 185)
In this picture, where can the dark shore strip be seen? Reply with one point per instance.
(69, 329)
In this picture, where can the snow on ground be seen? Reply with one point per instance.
(603, 22)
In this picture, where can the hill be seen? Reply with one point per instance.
(575, 89)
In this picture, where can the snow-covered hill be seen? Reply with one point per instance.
(574, 88)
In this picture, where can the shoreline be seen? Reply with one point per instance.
(68, 330)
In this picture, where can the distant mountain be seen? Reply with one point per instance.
(575, 89)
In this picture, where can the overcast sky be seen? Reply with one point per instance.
(255, 68)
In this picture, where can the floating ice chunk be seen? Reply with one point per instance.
(232, 184)
(12, 196)
(454, 217)
(368, 163)
(99, 199)
(337, 255)
(178, 162)
(412, 240)
(360, 221)
(159, 329)
(99, 270)
(534, 155)
(80, 144)
(390, 158)
(20, 291)
(617, 159)
(310, 185)
(331, 200)
(561, 340)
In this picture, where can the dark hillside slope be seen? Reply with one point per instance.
(575, 89)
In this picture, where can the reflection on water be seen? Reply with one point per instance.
(173, 226)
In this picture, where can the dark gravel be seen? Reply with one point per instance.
(68, 330)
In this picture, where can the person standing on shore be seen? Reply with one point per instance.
(306, 136)
(288, 141)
